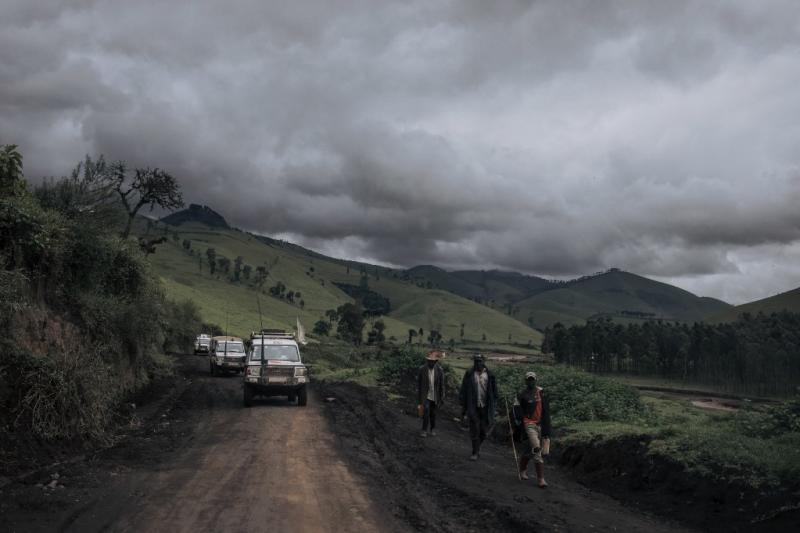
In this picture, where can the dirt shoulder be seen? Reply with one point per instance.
(430, 483)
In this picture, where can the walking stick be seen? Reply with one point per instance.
(513, 446)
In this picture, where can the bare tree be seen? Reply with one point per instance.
(146, 186)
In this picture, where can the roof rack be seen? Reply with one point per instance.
(272, 334)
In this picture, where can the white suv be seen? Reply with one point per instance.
(274, 368)
(227, 353)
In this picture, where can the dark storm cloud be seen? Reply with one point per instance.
(556, 138)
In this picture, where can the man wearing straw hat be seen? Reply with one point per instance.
(430, 391)
(535, 411)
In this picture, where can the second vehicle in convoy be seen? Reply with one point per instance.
(227, 353)
(274, 368)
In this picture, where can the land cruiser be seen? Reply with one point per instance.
(227, 353)
(274, 368)
(202, 344)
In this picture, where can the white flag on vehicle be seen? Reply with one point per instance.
(301, 333)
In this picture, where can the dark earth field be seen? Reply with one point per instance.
(352, 460)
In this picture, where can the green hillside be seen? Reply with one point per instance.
(786, 301)
(493, 287)
(620, 295)
(314, 276)
(503, 306)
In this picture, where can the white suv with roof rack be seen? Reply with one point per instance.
(274, 368)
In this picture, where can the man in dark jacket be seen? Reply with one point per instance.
(534, 409)
(430, 391)
(478, 397)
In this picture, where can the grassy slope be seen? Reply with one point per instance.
(611, 293)
(502, 287)
(787, 301)
(222, 301)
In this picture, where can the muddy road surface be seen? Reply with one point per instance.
(200, 461)
(209, 464)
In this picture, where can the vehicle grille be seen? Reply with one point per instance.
(287, 371)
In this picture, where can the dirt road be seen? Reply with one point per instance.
(272, 467)
(206, 463)
(434, 486)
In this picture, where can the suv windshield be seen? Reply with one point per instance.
(275, 352)
(229, 347)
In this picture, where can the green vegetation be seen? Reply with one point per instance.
(280, 269)
(576, 396)
(401, 365)
(758, 446)
(755, 354)
(83, 321)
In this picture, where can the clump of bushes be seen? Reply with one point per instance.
(575, 395)
(64, 395)
(400, 364)
(83, 320)
(773, 420)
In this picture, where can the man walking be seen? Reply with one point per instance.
(430, 391)
(478, 397)
(535, 411)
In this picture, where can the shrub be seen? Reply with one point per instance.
(575, 395)
(64, 395)
(774, 420)
(401, 364)
(95, 319)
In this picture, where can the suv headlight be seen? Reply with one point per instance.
(300, 371)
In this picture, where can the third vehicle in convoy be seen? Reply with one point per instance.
(274, 368)
(202, 344)
(227, 353)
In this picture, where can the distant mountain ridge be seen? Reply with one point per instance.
(785, 301)
(196, 213)
(540, 302)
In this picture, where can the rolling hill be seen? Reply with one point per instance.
(786, 301)
(313, 278)
(619, 295)
(494, 287)
(539, 302)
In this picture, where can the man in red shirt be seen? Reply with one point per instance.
(535, 409)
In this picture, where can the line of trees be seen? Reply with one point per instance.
(755, 354)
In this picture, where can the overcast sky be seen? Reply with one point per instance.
(554, 138)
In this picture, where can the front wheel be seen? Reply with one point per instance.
(248, 396)
(302, 396)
